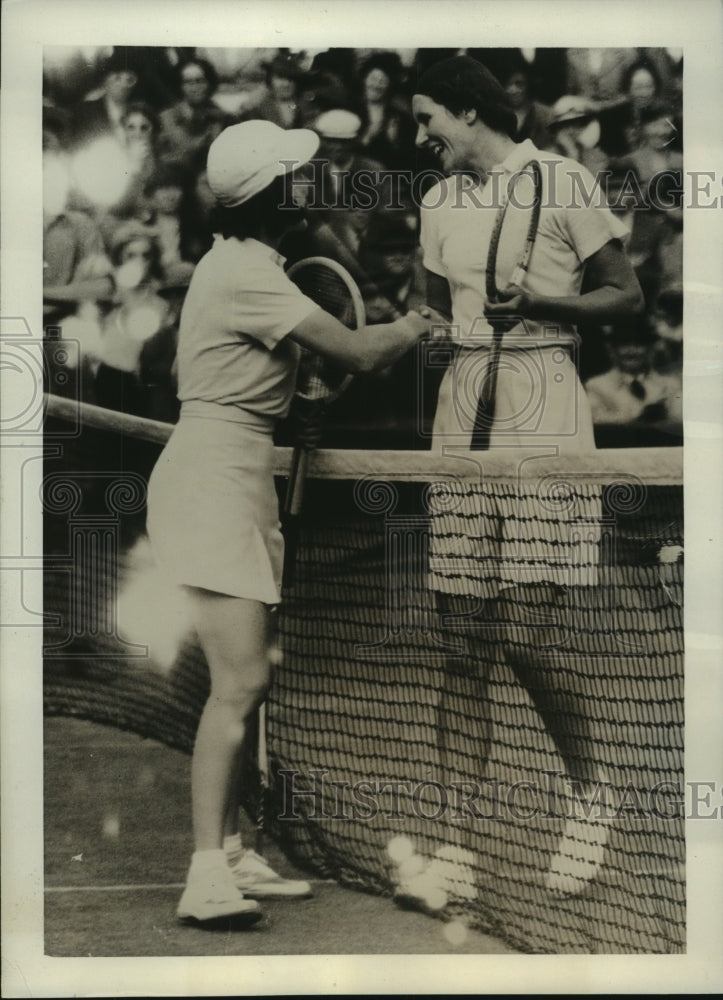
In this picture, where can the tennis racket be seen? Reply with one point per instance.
(513, 238)
(319, 381)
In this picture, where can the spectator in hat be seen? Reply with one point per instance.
(575, 130)
(140, 323)
(190, 125)
(340, 151)
(632, 390)
(281, 105)
(103, 116)
(338, 212)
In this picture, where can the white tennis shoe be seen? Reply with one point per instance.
(212, 895)
(580, 851)
(449, 877)
(255, 878)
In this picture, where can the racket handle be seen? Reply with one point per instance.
(297, 478)
(487, 402)
(292, 510)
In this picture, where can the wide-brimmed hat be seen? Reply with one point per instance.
(570, 109)
(245, 158)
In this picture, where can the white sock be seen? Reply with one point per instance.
(233, 848)
(206, 861)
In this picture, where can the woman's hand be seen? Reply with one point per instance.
(431, 324)
(513, 305)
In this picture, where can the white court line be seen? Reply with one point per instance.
(152, 886)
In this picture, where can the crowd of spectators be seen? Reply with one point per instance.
(126, 208)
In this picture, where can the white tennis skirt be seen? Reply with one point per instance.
(487, 537)
(213, 512)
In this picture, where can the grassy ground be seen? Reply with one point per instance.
(117, 843)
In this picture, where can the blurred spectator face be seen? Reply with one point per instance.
(631, 358)
(358, 220)
(337, 151)
(194, 85)
(659, 134)
(138, 129)
(135, 262)
(398, 261)
(283, 88)
(642, 88)
(517, 90)
(119, 85)
(166, 200)
(376, 85)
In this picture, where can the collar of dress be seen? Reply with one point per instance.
(520, 155)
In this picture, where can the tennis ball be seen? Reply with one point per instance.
(455, 932)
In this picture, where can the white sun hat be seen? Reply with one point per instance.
(245, 158)
(338, 124)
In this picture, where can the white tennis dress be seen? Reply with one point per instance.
(489, 537)
(212, 507)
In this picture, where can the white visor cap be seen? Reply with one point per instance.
(245, 158)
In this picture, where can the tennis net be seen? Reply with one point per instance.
(389, 758)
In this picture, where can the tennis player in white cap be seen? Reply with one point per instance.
(212, 507)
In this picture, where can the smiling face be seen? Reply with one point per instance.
(138, 129)
(449, 137)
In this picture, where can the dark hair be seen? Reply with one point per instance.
(633, 69)
(388, 62)
(123, 59)
(284, 65)
(516, 65)
(462, 84)
(264, 213)
(141, 108)
(208, 69)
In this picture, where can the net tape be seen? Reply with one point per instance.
(353, 718)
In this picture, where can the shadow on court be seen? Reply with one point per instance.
(117, 843)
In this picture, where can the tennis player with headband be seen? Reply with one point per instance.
(464, 119)
(212, 507)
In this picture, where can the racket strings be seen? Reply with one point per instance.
(317, 377)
